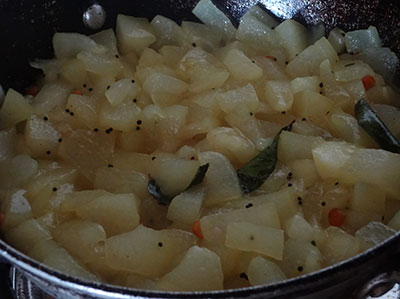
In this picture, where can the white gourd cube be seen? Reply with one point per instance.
(146, 251)
(74, 71)
(395, 221)
(232, 100)
(359, 40)
(312, 105)
(122, 117)
(68, 45)
(253, 31)
(167, 31)
(17, 209)
(368, 198)
(85, 108)
(304, 169)
(308, 61)
(336, 38)
(14, 109)
(222, 181)
(209, 14)
(262, 271)
(103, 208)
(164, 89)
(305, 83)
(122, 90)
(25, 235)
(134, 34)
(186, 207)
(8, 140)
(16, 172)
(83, 239)
(51, 95)
(240, 66)
(202, 35)
(300, 257)
(294, 146)
(43, 248)
(173, 175)
(285, 201)
(298, 228)
(232, 143)
(279, 95)
(251, 237)
(117, 180)
(345, 126)
(100, 64)
(41, 137)
(293, 37)
(214, 226)
(107, 39)
(199, 270)
(350, 164)
(62, 261)
(339, 245)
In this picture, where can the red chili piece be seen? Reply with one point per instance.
(336, 217)
(368, 81)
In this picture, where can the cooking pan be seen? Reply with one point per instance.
(26, 29)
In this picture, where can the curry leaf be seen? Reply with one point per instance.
(155, 190)
(257, 170)
(375, 127)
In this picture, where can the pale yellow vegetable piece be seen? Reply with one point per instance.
(68, 45)
(51, 96)
(25, 235)
(300, 257)
(186, 207)
(134, 34)
(298, 228)
(173, 175)
(146, 251)
(240, 66)
(395, 221)
(199, 270)
(85, 108)
(305, 170)
(262, 271)
(279, 95)
(293, 37)
(350, 164)
(62, 261)
(232, 143)
(83, 239)
(41, 137)
(308, 61)
(16, 209)
(214, 226)
(238, 98)
(8, 140)
(312, 105)
(221, 177)
(121, 117)
(294, 146)
(17, 171)
(305, 83)
(251, 237)
(167, 31)
(43, 249)
(122, 90)
(104, 208)
(368, 198)
(339, 245)
(14, 109)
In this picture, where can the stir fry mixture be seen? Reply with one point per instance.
(201, 156)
